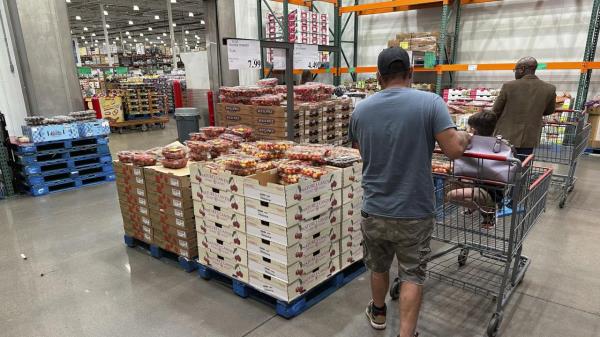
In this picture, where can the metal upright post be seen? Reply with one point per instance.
(355, 44)
(442, 46)
(171, 35)
(589, 55)
(108, 53)
(337, 29)
(455, 40)
(289, 72)
(260, 36)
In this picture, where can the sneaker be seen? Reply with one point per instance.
(376, 316)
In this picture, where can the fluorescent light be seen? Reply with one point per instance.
(156, 17)
(105, 13)
(173, 1)
(130, 22)
(174, 24)
(95, 44)
(126, 33)
(190, 14)
(78, 18)
(68, 1)
(146, 39)
(141, 34)
(196, 36)
(117, 38)
(202, 22)
(107, 25)
(158, 37)
(86, 42)
(85, 29)
(150, 28)
(164, 34)
(96, 41)
(93, 34)
(134, 40)
(129, 37)
(187, 31)
(136, 8)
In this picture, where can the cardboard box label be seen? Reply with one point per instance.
(139, 180)
(179, 222)
(140, 192)
(137, 171)
(176, 192)
(177, 203)
(142, 201)
(178, 213)
(145, 221)
(174, 182)
(143, 210)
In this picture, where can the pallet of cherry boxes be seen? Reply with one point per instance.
(280, 239)
(156, 205)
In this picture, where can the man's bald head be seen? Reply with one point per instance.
(525, 66)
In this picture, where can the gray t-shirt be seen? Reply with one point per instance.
(395, 130)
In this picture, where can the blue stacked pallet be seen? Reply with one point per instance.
(55, 166)
(296, 306)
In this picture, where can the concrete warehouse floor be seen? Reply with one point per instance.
(79, 279)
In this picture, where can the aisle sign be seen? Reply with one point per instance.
(279, 59)
(243, 54)
(306, 56)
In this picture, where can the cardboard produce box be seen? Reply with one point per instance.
(289, 291)
(349, 242)
(235, 119)
(351, 225)
(224, 265)
(223, 216)
(186, 233)
(594, 140)
(352, 255)
(352, 174)
(229, 235)
(221, 180)
(189, 252)
(352, 193)
(164, 202)
(351, 210)
(237, 109)
(290, 216)
(265, 187)
(290, 255)
(271, 111)
(217, 197)
(185, 222)
(274, 132)
(134, 208)
(292, 235)
(159, 176)
(292, 272)
(209, 243)
(168, 242)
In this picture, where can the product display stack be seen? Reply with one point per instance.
(293, 224)
(304, 27)
(343, 110)
(352, 193)
(133, 198)
(219, 210)
(312, 119)
(170, 203)
(141, 100)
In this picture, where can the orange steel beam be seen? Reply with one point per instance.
(593, 65)
(402, 5)
(307, 3)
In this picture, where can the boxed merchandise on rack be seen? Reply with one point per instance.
(133, 200)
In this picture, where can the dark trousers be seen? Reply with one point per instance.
(523, 152)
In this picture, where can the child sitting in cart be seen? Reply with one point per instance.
(484, 198)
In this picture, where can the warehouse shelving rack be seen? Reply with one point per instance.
(446, 63)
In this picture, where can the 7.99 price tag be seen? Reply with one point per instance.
(243, 54)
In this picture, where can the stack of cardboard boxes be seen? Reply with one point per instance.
(293, 232)
(352, 194)
(270, 122)
(219, 208)
(313, 117)
(169, 195)
(421, 41)
(133, 198)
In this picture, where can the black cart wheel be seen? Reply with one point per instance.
(494, 325)
(462, 257)
(571, 188)
(395, 289)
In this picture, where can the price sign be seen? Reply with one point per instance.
(278, 59)
(243, 54)
(306, 56)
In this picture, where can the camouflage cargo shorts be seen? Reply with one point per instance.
(408, 240)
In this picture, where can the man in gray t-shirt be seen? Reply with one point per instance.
(395, 131)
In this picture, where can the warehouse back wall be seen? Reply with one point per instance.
(503, 31)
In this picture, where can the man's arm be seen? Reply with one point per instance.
(500, 102)
(551, 105)
(453, 143)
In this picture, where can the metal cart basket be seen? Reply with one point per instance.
(481, 246)
(564, 138)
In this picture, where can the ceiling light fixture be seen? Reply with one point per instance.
(134, 40)
(130, 22)
(190, 14)
(164, 34)
(150, 28)
(129, 37)
(174, 24)
(136, 8)
(93, 34)
(85, 29)
(68, 1)
(202, 22)
(156, 17)
(173, 1)
(158, 37)
(107, 25)
(141, 34)
(83, 37)
(126, 33)
(96, 41)
(105, 13)
(146, 39)
(187, 31)
(117, 38)
(78, 18)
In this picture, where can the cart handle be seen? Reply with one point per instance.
(540, 178)
(527, 160)
(480, 155)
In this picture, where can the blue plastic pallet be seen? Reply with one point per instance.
(67, 184)
(64, 173)
(299, 305)
(189, 265)
(142, 116)
(31, 148)
(62, 163)
(57, 156)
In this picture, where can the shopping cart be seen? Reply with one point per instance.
(563, 140)
(480, 250)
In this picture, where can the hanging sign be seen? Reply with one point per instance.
(278, 59)
(306, 56)
(243, 54)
